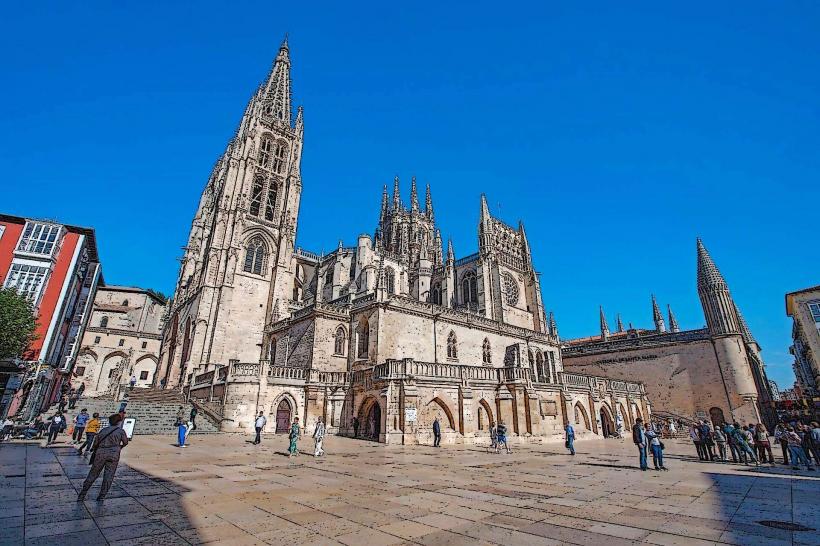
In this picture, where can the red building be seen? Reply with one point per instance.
(57, 268)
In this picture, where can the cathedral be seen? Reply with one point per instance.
(715, 373)
(377, 339)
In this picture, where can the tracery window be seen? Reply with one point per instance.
(452, 345)
(279, 157)
(255, 256)
(488, 356)
(339, 343)
(390, 280)
(256, 197)
(363, 334)
(329, 276)
(539, 365)
(436, 294)
(469, 288)
(510, 288)
(270, 205)
(265, 149)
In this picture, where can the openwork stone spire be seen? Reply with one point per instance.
(718, 307)
(276, 92)
(428, 203)
(744, 328)
(553, 327)
(604, 325)
(414, 196)
(620, 324)
(673, 322)
(396, 194)
(657, 317)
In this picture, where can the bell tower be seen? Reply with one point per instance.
(238, 269)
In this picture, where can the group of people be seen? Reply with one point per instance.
(70, 396)
(498, 437)
(750, 443)
(294, 435)
(647, 438)
(185, 426)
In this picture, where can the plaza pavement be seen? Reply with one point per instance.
(224, 490)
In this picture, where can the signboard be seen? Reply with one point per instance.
(410, 415)
(128, 426)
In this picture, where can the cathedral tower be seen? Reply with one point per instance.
(725, 329)
(237, 271)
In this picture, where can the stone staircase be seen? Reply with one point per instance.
(155, 411)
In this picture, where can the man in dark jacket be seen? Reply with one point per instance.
(436, 433)
(105, 456)
(639, 439)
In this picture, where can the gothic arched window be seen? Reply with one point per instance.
(488, 356)
(530, 358)
(125, 303)
(265, 152)
(363, 335)
(539, 365)
(329, 276)
(436, 294)
(255, 256)
(452, 345)
(256, 197)
(270, 204)
(339, 343)
(390, 280)
(104, 322)
(469, 288)
(279, 157)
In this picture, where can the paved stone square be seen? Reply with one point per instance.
(223, 489)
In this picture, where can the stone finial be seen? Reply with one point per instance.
(604, 325)
(673, 322)
(657, 317)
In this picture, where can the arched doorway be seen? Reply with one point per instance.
(716, 414)
(283, 412)
(607, 424)
(581, 420)
(485, 415)
(373, 422)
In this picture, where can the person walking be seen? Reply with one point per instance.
(192, 418)
(781, 437)
(814, 433)
(295, 432)
(62, 404)
(436, 433)
(132, 382)
(318, 436)
(259, 425)
(493, 437)
(105, 455)
(501, 437)
(72, 398)
(744, 441)
(694, 435)
(707, 441)
(763, 445)
(79, 426)
(657, 447)
(569, 438)
(672, 428)
(91, 430)
(182, 433)
(796, 451)
(720, 439)
(805, 434)
(55, 426)
(355, 427)
(639, 439)
(180, 415)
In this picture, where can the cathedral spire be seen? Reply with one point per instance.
(276, 91)
(485, 210)
(744, 328)
(396, 195)
(428, 203)
(657, 317)
(383, 213)
(718, 307)
(673, 322)
(619, 323)
(439, 250)
(451, 256)
(414, 196)
(604, 325)
(553, 327)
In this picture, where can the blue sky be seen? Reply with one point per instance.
(617, 134)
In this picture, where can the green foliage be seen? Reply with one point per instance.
(159, 295)
(17, 323)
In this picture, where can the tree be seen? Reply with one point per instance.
(17, 323)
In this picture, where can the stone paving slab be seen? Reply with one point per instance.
(224, 490)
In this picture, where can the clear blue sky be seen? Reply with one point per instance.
(617, 134)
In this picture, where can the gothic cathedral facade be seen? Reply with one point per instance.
(377, 339)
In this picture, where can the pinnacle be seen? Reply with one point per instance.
(708, 273)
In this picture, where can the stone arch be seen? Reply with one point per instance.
(637, 410)
(607, 420)
(370, 416)
(624, 414)
(451, 424)
(274, 412)
(484, 406)
(109, 364)
(581, 418)
(340, 340)
(145, 363)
